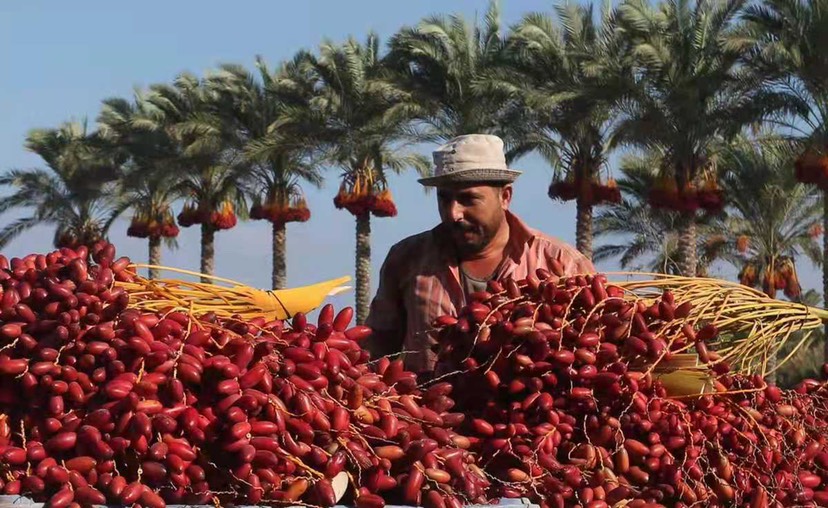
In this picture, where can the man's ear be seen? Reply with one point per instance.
(506, 196)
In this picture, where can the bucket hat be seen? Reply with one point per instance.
(471, 158)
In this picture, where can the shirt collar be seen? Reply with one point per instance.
(521, 236)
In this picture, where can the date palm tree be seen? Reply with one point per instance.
(209, 171)
(689, 93)
(451, 67)
(566, 72)
(73, 192)
(277, 161)
(773, 219)
(789, 49)
(362, 122)
(643, 238)
(151, 167)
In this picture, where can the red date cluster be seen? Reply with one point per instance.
(563, 404)
(101, 403)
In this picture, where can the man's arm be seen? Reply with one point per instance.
(384, 343)
(387, 314)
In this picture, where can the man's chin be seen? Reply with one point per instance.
(466, 248)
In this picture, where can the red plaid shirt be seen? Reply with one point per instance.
(420, 280)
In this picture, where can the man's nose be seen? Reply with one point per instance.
(456, 212)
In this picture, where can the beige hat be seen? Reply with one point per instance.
(472, 158)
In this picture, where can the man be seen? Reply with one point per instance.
(430, 274)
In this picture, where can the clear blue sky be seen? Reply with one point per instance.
(58, 60)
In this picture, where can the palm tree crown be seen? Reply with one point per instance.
(73, 193)
(643, 238)
(772, 220)
(149, 173)
(689, 94)
(448, 64)
(276, 161)
(561, 76)
(364, 126)
(190, 112)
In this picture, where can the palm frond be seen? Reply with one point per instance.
(16, 228)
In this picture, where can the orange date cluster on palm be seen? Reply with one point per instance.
(153, 226)
(361, 202)
(222, 218)
(281, 213)
(564, 405)
(666, 194)
(779, 276)
(591, 192)
(101, 403)
(812, 168)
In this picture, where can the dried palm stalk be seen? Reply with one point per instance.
(753, 327)
(224, 297)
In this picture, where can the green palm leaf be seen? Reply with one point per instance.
(74, 191)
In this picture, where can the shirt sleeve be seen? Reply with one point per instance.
(581, 265)
(574, 263)
(386, 316)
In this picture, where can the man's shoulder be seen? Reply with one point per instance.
(539, 239)
(546, 241)
(554, 247)
(408, 256)
(414, 244)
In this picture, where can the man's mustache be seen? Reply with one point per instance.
(461, 227)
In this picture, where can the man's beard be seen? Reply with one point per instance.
(470, 246)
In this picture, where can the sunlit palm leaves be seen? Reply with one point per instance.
(560, 76)
(275, 157)
(73, 192)
(363, 123)
(150, 170)
(689, 90)
(210, 168)
(452, 67)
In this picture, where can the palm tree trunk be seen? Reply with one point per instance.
(279, 279)
(154, 255)
(825, 266)
(687, 246)
(772, 360)
(363, 266)
(583, 228)
(207, 251)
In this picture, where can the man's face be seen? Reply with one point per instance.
(473, 214)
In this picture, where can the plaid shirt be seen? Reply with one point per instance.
(420, 280)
